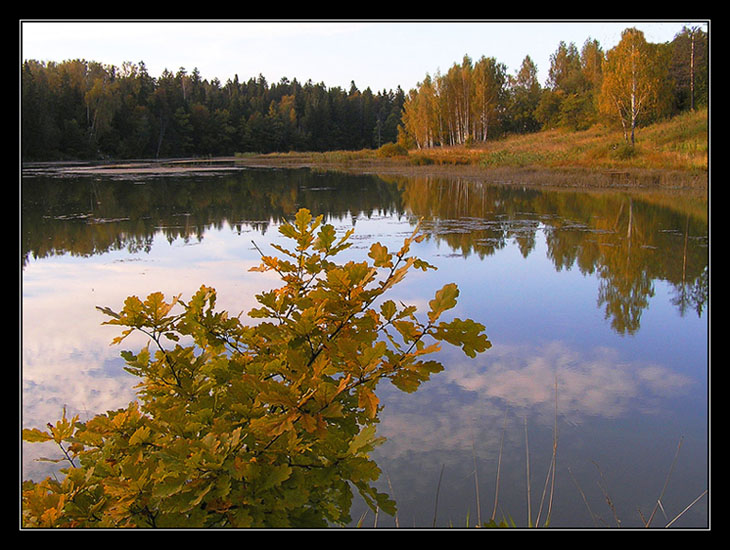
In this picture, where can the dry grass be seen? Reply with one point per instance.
(677, 144)
(669, 153)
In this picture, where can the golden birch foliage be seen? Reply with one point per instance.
(456, 108)
(634, 85)
(268, 425)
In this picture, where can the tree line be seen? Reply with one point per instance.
(634, 83)
(78, 109)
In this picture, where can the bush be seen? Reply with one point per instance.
(268, 425)
(623, 151)
(391, 150)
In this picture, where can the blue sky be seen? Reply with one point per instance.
(377, 54)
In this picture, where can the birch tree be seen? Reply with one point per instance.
(489, 82)
(419, 120)
(634, 77)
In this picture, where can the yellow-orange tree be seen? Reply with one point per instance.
(263, 425)
(635, 83)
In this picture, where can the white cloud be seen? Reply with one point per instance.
(520, 380)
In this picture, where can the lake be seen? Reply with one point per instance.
(595, 302)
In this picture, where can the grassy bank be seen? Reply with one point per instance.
(679, 145)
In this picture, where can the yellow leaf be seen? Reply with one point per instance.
(140, 435)
(380, 255)
(368, 401)
(343, 383)
(35, 435)
(444, 299)
(309, 423)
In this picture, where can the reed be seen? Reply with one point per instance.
(548, 491)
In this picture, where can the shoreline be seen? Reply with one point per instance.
(566, 177)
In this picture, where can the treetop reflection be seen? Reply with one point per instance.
(627, 240)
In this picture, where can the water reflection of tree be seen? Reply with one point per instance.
(628, 241)
(87, 216)
(691, 293)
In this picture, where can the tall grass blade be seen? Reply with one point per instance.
(499, 465)
(390, 486)
(607, 497)
(687, 508)
(527, 475)
(666, 482)
(438, 489)
(583, 496)
(476, 484)
(550, 477)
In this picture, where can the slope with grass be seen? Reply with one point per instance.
(678, 147)
(680, 143)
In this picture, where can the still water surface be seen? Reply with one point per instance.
(603, 293)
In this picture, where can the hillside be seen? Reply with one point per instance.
(678, 147)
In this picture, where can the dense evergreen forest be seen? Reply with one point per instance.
(78, 109)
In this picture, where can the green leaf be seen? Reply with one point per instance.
(325, 238)
(376, 500)
(168, 487)
(288, 231)
(276, 476)
(411, 376)
(364, 441)
(387, 309)
(140, 435)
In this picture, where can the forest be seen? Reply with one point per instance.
(85, 110)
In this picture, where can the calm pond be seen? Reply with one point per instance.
(605, 293)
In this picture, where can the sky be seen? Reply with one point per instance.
(376, 54)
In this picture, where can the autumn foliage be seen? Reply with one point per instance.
(261, 425)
